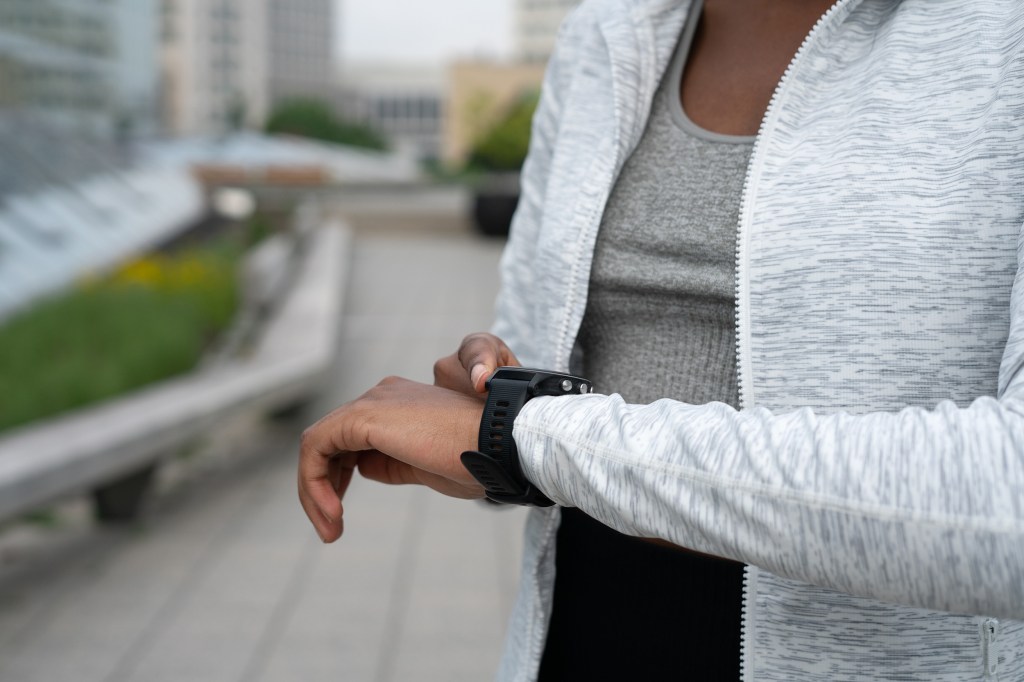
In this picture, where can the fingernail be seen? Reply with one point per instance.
(478, 371)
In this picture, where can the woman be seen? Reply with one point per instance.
(868, 463)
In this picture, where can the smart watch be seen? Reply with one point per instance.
(496, 464)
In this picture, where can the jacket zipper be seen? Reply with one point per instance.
(989, 654)
(743, 309)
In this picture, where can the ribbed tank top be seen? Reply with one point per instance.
(659, 323)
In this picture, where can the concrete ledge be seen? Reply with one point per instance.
(93, 446)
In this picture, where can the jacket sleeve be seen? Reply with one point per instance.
(919, 507)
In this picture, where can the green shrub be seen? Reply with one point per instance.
(504, 147)
(150, 320)
(314, 119)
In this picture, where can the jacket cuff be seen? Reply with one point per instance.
(543, 430)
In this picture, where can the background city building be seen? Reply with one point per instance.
(227, 62)
(136, 26)
(88, 65)
(301, 49)
(479, 94)
(214, 58)
(536, 27)
(403, 102)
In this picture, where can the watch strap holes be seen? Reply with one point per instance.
(497, 425)
(502, 403)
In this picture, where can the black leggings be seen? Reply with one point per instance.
(626, 609)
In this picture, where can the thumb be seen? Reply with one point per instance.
(478, 375)
(481, 354)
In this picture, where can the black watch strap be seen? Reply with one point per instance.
(496, 464)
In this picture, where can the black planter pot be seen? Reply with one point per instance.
(494, 203)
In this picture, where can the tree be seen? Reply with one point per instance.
(503, 147)
(314, 119)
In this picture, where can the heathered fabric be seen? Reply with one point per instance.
(660, 310)
(875, 471)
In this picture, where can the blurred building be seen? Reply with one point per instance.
(214, 63)
(136, 25)
(226, 62)
(404, 103)
(89, 65)
(301, 44)
(479, 94)
(537, 23)
(76, 76)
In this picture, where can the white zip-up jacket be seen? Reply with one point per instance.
(873, 478)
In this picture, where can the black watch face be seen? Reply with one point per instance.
(544, 382)
(516, 373)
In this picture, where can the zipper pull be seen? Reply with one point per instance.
(989, 654)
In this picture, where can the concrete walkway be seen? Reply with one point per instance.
(224, 579)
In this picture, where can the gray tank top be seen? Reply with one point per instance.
(660, 313)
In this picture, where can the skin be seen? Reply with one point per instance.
(422, 429)
(398, 432)
(739, 53)
(404, 432)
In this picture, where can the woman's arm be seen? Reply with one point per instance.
(921, 507)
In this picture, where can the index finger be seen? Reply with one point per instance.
(319, 483)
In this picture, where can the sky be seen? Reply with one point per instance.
(422, 31)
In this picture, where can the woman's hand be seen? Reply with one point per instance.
(466, 370)
(398, 432)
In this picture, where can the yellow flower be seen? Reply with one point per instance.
(145, 271)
